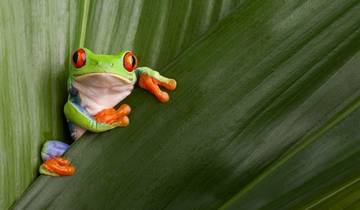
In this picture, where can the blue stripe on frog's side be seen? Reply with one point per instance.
(53, 148)
(74, 95)
(72, 128)
(73, 92)
(76, 100)
(76, 103)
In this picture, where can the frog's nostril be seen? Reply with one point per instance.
(104, 64)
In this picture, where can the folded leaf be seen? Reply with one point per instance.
(265, 116)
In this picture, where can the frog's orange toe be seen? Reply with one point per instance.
(62, 161)
(163, 97)
(123, 121)
(170, 85)
(123, 110)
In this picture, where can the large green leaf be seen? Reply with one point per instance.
(36, 39)
(265, 116)
(34, 48)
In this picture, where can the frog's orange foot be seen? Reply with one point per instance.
(110, 116)
(58, 166)
(123, 110)
(107, 116)
(152, 85)
(171, 85)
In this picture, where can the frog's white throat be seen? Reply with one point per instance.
(99, 91)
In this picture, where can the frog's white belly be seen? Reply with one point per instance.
(101, 91)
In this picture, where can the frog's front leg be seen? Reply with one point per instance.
(74, 114)
(110, 116)
(151, 80)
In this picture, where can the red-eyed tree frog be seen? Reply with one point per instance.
(96, 84)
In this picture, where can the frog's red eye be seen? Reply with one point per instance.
(79, 58)
(130, 61)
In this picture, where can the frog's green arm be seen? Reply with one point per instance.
(74, 115)
(152, 73)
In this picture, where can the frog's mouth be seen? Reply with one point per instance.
(104, 76)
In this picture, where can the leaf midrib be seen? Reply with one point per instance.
(331, 194)
(84, 20)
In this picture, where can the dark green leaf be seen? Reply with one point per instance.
(266, 114)
(36, 39)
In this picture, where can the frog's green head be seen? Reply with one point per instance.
(87, 64)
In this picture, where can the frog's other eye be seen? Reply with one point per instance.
(130, 61)
(79, 58)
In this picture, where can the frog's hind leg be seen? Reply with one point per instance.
(53, 164)
(53, 148)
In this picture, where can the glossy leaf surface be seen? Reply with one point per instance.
(36, 39)
(266, 114)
